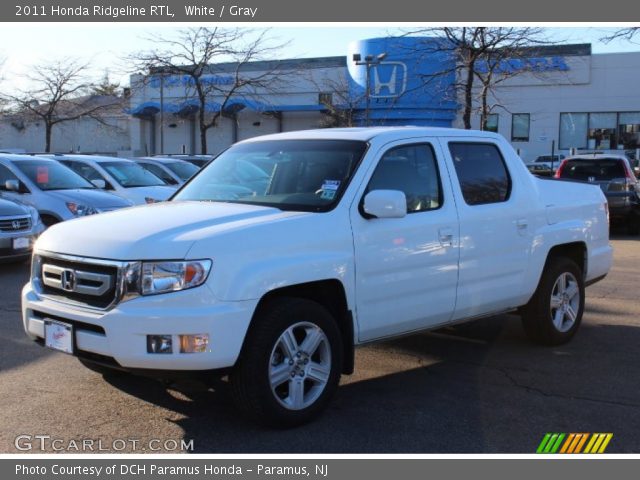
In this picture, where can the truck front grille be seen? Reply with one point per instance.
(87, 282)
(15, 224)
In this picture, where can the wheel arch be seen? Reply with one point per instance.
(329, 293)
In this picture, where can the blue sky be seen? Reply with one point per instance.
(104, 44)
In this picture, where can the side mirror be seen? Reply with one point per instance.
(12, 186)
(99, 183)
(386, 204)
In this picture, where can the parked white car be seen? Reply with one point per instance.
(120, 176)
(349, 236)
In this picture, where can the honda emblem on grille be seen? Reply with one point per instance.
(68, 280)
(16, 224)
(591, 179)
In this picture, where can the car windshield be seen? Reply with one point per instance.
(305, 175)
(184, 170)
(593, 170)
(50, 175)
(130, 175)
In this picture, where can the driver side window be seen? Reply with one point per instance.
(413, 170)
(5, 174)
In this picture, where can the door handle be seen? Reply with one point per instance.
(446, 237)
(522, 225)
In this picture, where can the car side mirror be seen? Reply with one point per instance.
(386, 204)
(12, 186)
(99, 183)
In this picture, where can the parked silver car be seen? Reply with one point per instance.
(57, 192)
(119, 176)
(172, 170)
(20, 225)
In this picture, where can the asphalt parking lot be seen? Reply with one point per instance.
(482, 388)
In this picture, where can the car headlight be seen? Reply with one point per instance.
(80, 210)
(162, 277)
(35, 217)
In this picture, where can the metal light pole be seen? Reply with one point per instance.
(368, 62)
(162, 113)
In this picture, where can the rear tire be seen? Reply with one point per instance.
(554, 313)
(290, 364)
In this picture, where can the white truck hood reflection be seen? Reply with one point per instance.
(159, 231)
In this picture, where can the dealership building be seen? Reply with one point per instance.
(559, 97)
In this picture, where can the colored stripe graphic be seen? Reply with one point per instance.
(574, 443)
(550, 443)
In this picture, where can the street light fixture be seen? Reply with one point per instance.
(369, 61)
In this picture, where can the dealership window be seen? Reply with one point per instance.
(602, 131)
(520, 127)
(573, 130)
(629, 130)
(481, 172)
(492, 123)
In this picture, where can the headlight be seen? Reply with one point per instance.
(35, 217)
(79, 210)
(162, 277)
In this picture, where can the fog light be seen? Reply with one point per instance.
(194, 343)
(159, 344)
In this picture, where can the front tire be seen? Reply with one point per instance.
(290, 364)
(554, 313)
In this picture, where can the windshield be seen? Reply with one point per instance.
(307, 175)
(50, 175)
(184, 170)
(593, 170)
(130, 175)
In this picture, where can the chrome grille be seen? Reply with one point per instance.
(86, 282)
(15, 224)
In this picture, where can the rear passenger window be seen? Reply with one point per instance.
(481, 172)
(413, 170)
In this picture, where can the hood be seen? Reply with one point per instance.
(10, 209)
(93, 198)
(138, 195)
(158, 231)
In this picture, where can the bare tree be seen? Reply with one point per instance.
(200, 55)
(341, 105)
(476, 53)
(506, 57)
(627, 33)
(59, 92)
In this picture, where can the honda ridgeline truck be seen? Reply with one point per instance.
(271, 264)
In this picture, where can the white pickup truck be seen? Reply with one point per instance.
(277, 259)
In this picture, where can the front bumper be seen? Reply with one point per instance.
(120, 334)
(7, 252)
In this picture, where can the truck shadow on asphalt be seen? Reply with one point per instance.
(482, 388)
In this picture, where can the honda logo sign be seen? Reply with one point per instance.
(389, 79)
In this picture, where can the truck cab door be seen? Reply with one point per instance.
(406, 268)
(494, 209)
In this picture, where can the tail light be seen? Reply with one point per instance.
(559, 171)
